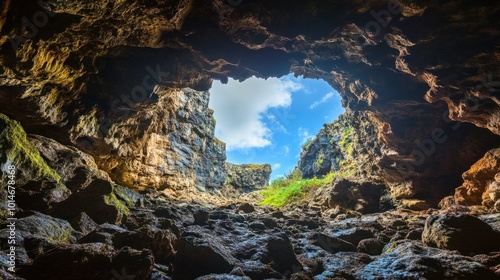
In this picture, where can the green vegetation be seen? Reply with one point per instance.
(228, 181)
(292, 188)
(319, 161)
(113, 200)
(20, 151)
(307, 144)
(346, 142)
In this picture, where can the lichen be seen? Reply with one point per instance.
(20, 151)
(114, 201)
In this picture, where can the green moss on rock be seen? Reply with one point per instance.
(20, 151)
(114, 201)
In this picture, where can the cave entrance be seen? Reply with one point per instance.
(268, 120)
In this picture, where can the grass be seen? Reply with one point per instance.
(292, 188)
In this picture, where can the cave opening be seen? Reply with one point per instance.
(271, 120)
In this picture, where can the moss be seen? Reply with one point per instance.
(319, 161)
(113, 200)
(124, 195)
(20, 151)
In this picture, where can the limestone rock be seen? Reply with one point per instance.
(248, 177)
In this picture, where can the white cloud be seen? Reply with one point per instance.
(325, 98)
(304, 135)
(240, 108)
(276, 166)
(286, 150)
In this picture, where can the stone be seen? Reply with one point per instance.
(201, 254)
(353, 235)
(248, 177)
(415, 204)
(371, 246)
(97, 200)
(475, 188)
(223, 277)
(332, 244)
(411, 260)
(83, 223)
(246, 208)
(462, 232)
(101, 262)
(160, 242)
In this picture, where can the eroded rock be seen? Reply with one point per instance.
(463, 232)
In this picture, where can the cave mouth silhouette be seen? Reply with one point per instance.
(269, 120)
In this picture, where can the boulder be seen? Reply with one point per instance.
(410, 260)
(160, 242)
(371, 246)
(83, 223)
(101, 262)
(353, 235)
(97, 200)
(461, 232)
(332, 244)
(199, 253)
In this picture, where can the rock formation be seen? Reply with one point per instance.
(104, 114)
(248, 177)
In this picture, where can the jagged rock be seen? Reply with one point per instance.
(371, 246)
(248, 177)
(76, 169)
(463, 232)
(47, 227)
(201, 254)
(279, 255)
(32, 233)
(37, 185)
(246, 208)
(83, 223)
(160, 242)
(343, 265)
(102, 262)
(353, 235)
(411, 260)
(97, 200)
(223, 277)
(364, 197)
(104, 233)
(480, 185)
(332, 244)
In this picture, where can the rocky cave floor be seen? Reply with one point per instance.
(162, 239)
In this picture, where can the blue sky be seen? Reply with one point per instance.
(266, 121)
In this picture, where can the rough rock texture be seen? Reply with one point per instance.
(481, 183)
(86, 75)
(248, 177)
(464, 233)
(349, 144)
(122, 87)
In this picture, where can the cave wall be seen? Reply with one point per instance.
(85, 73)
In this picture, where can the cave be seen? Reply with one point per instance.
(111, 168)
